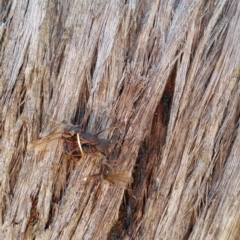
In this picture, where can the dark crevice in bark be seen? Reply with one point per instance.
(19, 155)
(133, 205)
(58, 59)
(94, 61)
(50, 93)
(52, 213)
(21, 93)
(22, 100)
(82, 105)
(190, 228)
(63, 172)
(5, 9)
(130, 205)
(2, 39)
(132, 29)
(41, 113)
(162, 115)
(120, 91)
(59, 188)
(33, 218)
(122, 228)
(175, 6)
(26, 8)
(2, 123)
(151, 158)
(90, 28)
(224, 14)
(131, 210)
(151, 52)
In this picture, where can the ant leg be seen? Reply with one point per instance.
(97, 175)
(105, 163)
(66, 135)
(72, 151)
(110, 128)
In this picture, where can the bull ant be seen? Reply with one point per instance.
(77, 142)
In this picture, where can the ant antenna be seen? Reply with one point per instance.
(79, 144)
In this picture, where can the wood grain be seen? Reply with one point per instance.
(168, 72)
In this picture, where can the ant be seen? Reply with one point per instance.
(74, 137)
(76, 142)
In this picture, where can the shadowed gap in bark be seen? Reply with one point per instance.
(33, 216)
(94, 61)
(132, 208)
(5, 8)
(81, 115)
(16, 163)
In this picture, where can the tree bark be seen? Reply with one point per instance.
(168, 72)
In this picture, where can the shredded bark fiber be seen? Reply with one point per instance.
(166, 71)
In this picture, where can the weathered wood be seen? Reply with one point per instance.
(168, 71)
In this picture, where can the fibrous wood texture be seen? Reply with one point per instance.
(168, 72)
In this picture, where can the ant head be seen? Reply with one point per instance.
(103, 145)
(77, 129)
(72, 128)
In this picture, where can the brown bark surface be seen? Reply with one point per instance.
(168, 72)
